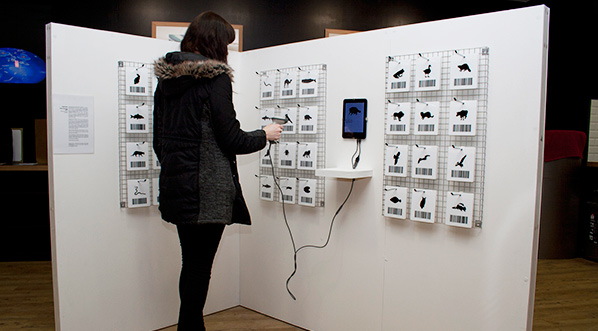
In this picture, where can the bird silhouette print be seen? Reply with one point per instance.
(423, 158)
(428, 71)
(396, 157)
(460, 163)
(422, 203)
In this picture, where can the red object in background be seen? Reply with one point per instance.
(559, 144)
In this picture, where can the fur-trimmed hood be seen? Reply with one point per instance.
(187, 68)
(177, 64)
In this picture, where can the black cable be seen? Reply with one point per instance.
(295, 250)
(285, 219)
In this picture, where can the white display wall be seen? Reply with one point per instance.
(113, 268)
(118, 268)
(382, 273)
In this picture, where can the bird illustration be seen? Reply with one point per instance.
(287, 82)
(422, 203)
(428, 71)
(460, 206)
(396, 157)
(423, 158)
(460, 163)
(307, 117)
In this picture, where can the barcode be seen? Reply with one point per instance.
(427, 83)
(463, 81)
(137, 126)
(307, 200)
(307, 128)
(139, 201)
(461, 127)
(288, 128)
(459, 174)
(266, 161)
(267, 94)
(425, 127)
(308, 91)
(138, 164)
(423, 214)
(287, 198)
(395, 169)
(459, 219)
(395, 211)
(397, 85)
(286, 162)
(287, 92)
(306, 164)
(397, 127)
(137, 89)
(266, 195)
(423, 171)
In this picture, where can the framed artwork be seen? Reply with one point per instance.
(337, 32)
(175, 31)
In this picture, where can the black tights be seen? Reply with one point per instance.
(199, 243)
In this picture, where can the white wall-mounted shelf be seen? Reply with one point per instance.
(346, 173)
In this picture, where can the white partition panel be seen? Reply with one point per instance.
(113, 268)
(388, 274)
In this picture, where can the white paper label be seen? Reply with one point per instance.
(426, 118)
(286, 155)
(424, 162)
(423, 205)
(461, 163)
(395, 160)
(398, 118)
(307, 192)
(138, 192)
(395, 202)
(459, 209)
(308, 119)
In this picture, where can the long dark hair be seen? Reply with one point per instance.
(209, 35)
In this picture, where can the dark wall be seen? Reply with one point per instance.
(269, 23)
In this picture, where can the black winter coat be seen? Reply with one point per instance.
(196, 139)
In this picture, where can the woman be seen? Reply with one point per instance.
(196, 139)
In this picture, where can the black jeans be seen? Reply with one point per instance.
(199, 243)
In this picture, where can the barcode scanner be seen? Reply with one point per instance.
(281, 120)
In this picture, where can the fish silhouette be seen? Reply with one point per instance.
(137, 116)
(395, 200)
(308, 80)
(266, 186)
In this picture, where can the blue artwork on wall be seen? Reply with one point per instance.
(18, 66)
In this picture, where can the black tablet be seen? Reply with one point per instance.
(354, 118)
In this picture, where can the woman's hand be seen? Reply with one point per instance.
(273, 131)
